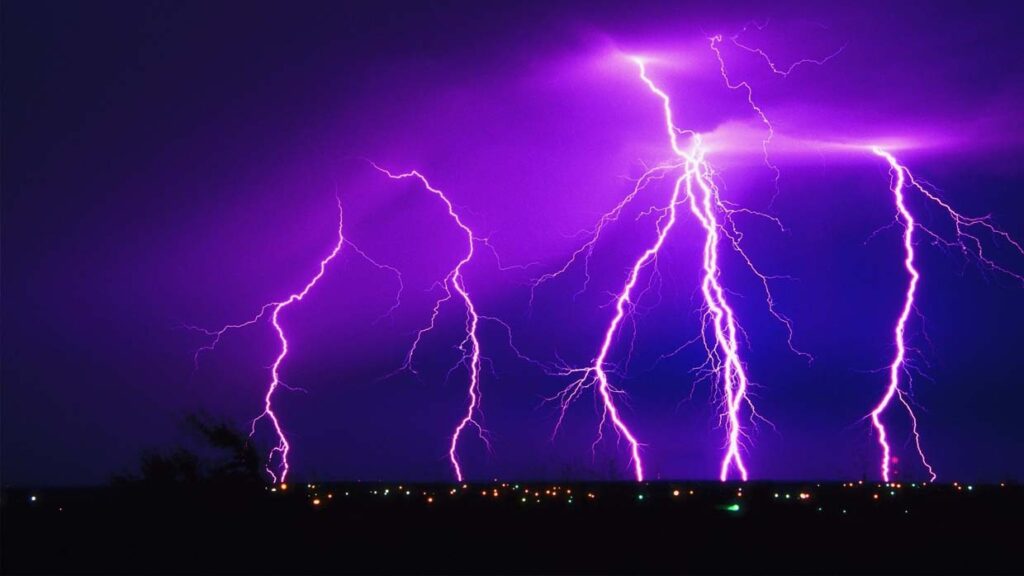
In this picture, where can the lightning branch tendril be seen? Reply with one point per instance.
(470, 345)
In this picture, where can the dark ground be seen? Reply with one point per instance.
(358, 528)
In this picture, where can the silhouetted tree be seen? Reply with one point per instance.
(226, 457)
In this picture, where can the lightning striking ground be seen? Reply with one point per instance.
(694, 185)
(897, 367)
(470, 345)
(970, 245)
(723, 354)
(282, 448)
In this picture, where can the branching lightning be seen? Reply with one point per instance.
(969, 244)
(282, 448)
(694, 185)
(723, 354)
(470, 345)
(715, 42)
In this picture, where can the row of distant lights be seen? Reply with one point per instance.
(556, 491)
(496, 492)
(899, 486)
(283, 487)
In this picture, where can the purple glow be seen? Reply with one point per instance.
(964, 241)
(471, 356)
(650, 293)
(282, 447)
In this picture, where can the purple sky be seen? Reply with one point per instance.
(172, 163)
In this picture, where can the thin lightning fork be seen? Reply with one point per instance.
(969, 244)
(470, 345)
(274, 309)
(744, 85)
(715, 42)
(283, 447)
(731, 232)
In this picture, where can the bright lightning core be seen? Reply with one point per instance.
(694, 188)
(967, 242)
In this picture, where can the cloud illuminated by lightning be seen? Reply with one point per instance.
(715, 42)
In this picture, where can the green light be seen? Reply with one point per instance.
(970, 487)
(640, 496)
(733, 508)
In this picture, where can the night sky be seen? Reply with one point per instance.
(168, 164)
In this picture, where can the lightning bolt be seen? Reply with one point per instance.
(274, 309)
(470, 345)
(694, 184)
(970, 245)
(596, 373)
(723, 354)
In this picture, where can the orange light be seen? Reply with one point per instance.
(284, 486)
(675, 492)
(430, 500)
(316, 502)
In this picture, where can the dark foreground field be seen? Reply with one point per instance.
(517, 528)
